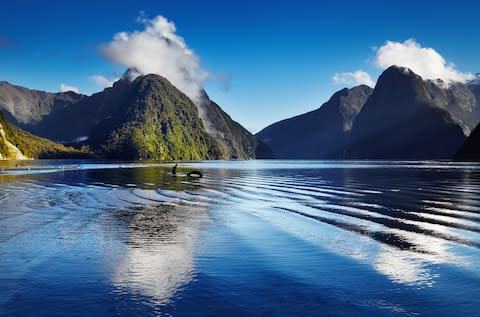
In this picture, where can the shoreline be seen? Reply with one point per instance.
(26, 168)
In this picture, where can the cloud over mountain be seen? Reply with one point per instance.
(102, 81)
(356, 78)
(158, 49)
(65, 88)
(424, 61)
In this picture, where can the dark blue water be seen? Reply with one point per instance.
(256, 238)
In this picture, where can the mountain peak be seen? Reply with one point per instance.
(318, 134)
(402, 119)
(361, 88)
(399, 71)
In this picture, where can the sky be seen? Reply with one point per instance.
(261, 61)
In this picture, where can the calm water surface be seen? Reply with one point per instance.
(251, 238)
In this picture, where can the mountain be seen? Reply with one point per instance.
(403, 119)
(462, 101)
(75, 122)
(406, 117)
(25, 107)
(319, 134)
(470, 150)
(16, 143)
(234, 141)
(157, 122)
(147, 118)
(150, 118)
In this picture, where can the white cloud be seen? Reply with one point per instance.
(64, 88)
(102, 81)
(356, 78)
(159, 50)
(424, 61)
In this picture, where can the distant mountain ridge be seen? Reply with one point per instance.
(318, 134)
(26, 107)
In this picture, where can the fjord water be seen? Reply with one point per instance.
(282, 238)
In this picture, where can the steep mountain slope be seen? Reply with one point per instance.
(18, 144)
(319, 134)
(234, 141)
(401, 120)
(25, 107)
(157, 122)
(147, 118)
(97, 117)
(76, 121)
(470, 150)
(462, 101)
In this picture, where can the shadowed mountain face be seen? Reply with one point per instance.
(401, 120)
(462, 101)
(405, 118)
(70, 123)
(25, 107)
(319, 134)
(234, 141)
(470, 150)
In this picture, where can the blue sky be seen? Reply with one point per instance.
(268, 60)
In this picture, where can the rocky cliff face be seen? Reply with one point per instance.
(403, 119)
(460, 100)
(234, 141)
(319, 134)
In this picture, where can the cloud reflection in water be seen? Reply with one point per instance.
(161, 245)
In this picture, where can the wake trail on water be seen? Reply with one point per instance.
(376, 218)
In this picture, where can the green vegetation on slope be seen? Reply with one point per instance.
(32, 146)
(157, 122)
